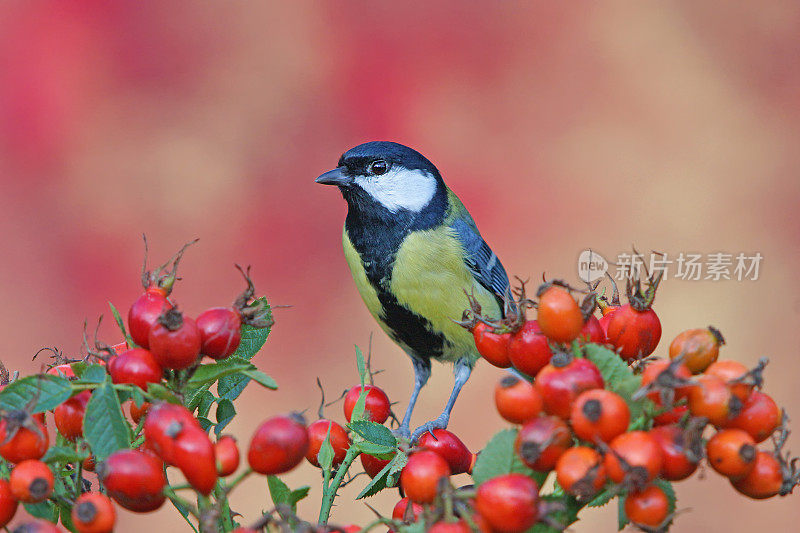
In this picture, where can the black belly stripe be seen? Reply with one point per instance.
(411, 329)
(376, 234)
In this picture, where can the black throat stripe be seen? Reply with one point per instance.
(376, 234)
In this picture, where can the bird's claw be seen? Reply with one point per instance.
(439, 423)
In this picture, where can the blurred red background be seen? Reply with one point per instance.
(670, 126)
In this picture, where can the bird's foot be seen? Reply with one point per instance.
(439, 423)
(403, 432)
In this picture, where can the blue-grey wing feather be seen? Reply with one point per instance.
(480, 259)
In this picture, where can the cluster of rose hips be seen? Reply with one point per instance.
(573, 422)
(165, 347)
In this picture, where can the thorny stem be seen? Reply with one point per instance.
(329, 489)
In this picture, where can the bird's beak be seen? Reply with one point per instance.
(336, 177)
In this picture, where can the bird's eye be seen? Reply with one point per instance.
(378, 167)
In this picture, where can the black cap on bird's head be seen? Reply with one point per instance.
(388, 174)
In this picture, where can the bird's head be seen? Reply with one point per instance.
(386, 176)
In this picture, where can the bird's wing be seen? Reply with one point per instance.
(479, 258)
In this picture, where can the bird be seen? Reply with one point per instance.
(415, 255)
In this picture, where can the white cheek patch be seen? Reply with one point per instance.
(400, 188)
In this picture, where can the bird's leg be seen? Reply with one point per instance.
(461, 370)
(422, 371)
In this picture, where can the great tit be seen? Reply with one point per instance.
(415, 253)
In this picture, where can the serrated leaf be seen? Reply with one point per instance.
(62, 454)
(499, 458)
(94, 374)
(361, 365)
(212, 372)
(160, 392)
(261, 378)
(78, 367)
(252, 339)
(194, 396)
(281, 495)
(602, 498)
(377, 484)
(45, 510)
(395, 467)
(278, 491)
(104, 426)
(358, 409)
(231, 387)
(49, 392)
(206, 401)
(617, 375)
(205, 423)
(374, 433)
(225, 414)
(669, 492)
(387, 477)
(297, 495)
(377, 450)
(121, 325)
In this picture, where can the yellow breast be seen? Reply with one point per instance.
(430, 279)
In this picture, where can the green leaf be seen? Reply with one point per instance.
(395, 467)
(160, 392)
(261, 378)
(48, 390)
(205, 423)
(45, 510)
(297, 495)
(374, 433)
(253, 340)
(62, 454)
(361, 366)
(358, 409)
(137, 396)
(418, 527)
(65, 510)
(104, 426)
(206, 401)
(94, 374)
(602, 498)
(499, 458)
(377, 450)
(566, 513)
(231, 387)
(212, 372)
(225, 414)
(325, 455)
(281, 495)
(377, 484)
(79, 367)
(617, 375)
(121, 324)
(387, 477)
(278, 491)
(194, 396)
(669, 492)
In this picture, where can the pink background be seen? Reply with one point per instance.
(669, 126)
